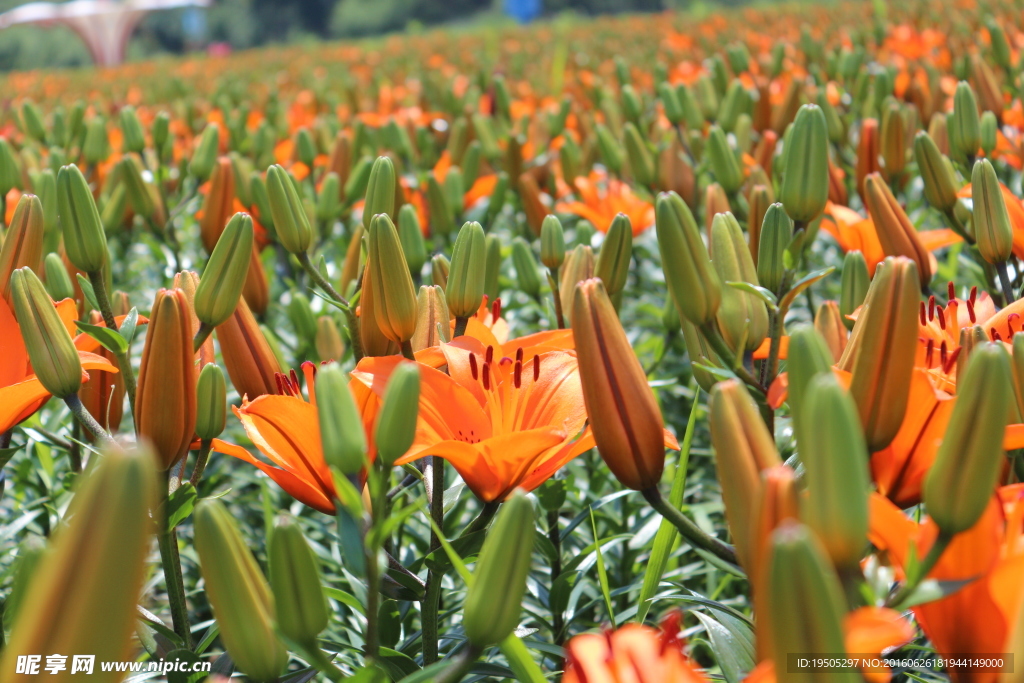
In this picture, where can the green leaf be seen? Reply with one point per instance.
(397, 665)
(306, 675)
(802, 284)
(665, 539)
(109, 339)
(931, 590)
(465, 546)
(7, 453)
(520, 661)
(602, 573)
(128, 325)
(760, 292)
(735, 655)
(184, 655)
(87, 291)
(180, 504)
(428, 674)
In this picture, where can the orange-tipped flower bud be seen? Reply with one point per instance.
(165, 404)
(895, 230)
(867, 152)
(433, 322)
(23, 243)
(881, 350)
(578, 266)
(742, 316)
(218, 205)
(395, 298)
(828, 321)
(624, 414)
(248, 357)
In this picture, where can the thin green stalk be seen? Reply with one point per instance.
(205, 446)
(726, 355)
(482, 520)
(124, 364)
(460, 326)
(168, 541)
(407, 350)
(430, 606)
(690, 531)
(930, 560)
(88, 421)
(553, 283)
(460, 666)
(319, 661)
(202, 334)
(1004, 283)
(557, 620)
(352, 322)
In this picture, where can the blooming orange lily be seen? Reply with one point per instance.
(600, 207)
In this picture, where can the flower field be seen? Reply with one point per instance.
(679, 347)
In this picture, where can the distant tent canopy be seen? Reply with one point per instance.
(105, 26)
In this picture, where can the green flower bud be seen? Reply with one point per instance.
(211, 402)
(465, 288)
(238, 592)
(631, 105)
(341, 426)
(225, 274)
(641, 163)
(670, 103)
(380, 191)
(305, 147)
(836, 127)
(854, 286)
(569, 157)
(1000, 46)
(692, 114)
(940, 183)
(805, 601)
(161, 131)
(358, 179)
(134, 138)
(329, 343)
(290, 219)
(552, 242)
(439, 269)
(23, 243)
(50, 348)
(58, 282)
(735, 103)
(809, 357)
(742, 315)
(724, 165)
(458, 137)
(76, 118)
(893, 141)
(692, 280)
(136, 192)
(84, 240)
(45, 186)
(492, 268)
(960, 483)
(299, 601)
(96, 146)
(32, 121)
(526, 268)
(495, 596)
(454, 189)
(497, 198)
(991, 222)
(965, 121)
(205, 155)
(394, 295)
(396, 422)
(805, 182)
(442, 219)
(616, 252)
(989, 126)
(261, 200)
(328, 201)
(1017, 359)
(834, 455)
(411, 235)
(471, 163)
(776, 234)
(300, 313)
(114, 209)
(608, 146)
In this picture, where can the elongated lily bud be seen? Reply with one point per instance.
(465, 288)
(84, 240)
(290, 219)
(629, 429)
(761, 197)
(715, 202)
(341, 427)
(328, 202)
(439, 269)
(805, 600)
(579, 266)
(442, 220)
(868, 151)
(495, 596)
(58, 282)
(552, 242)
(211, 402)
(137, 192)
(992, 228)
(835, 457)
(492, 266)
(882, 348)
(724, 164)
(380, 191)
(32, 121)
(411, 236)
(854, 285)
(776, 234)
(299, 602)
(433, 319)
(329, 343)
(1018, 374)
(96, 144)
(809, 357)
(50, 349)
(526, 268)
(743, 449)
(205, 155)
(302, 318)
(893, 141)
(940, 184)
(699, 350)
(218, 205)
(225, 274)
(896, 232)
(103, 394)
(165, 406)
(611, 152)
(641, 164)
(23, 243)
(133, 136)
(395, 297)
(614, 257)
(10, 171)
(248, 357)
(742, 317)
(692, 280)
(960, 483)
(83, 593)
(989, 129)
(805, 183)
(353, 263)
(238, 592)
(375, 343)
(970, 338)
(396, 421)
(828, 321)
(965, 120)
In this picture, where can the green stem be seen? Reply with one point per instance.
(202, 334)
(930, 560)
(407, 350)
(1004, 283)
(557, 620)
(461, 322)
(205, 446)
(124, 364)
(726, 355)
(350, 316)
(690, 531)
(88, 421)
(460, 666)
(553, 283)
(168, 540)
(482, 520)
(319, 661)
(430, 606)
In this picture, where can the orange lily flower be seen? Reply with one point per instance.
(977, 618)
(21, 393)
(600, 208)
(853, 232)
(285, 428)
(501, 422)
(482, 187)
